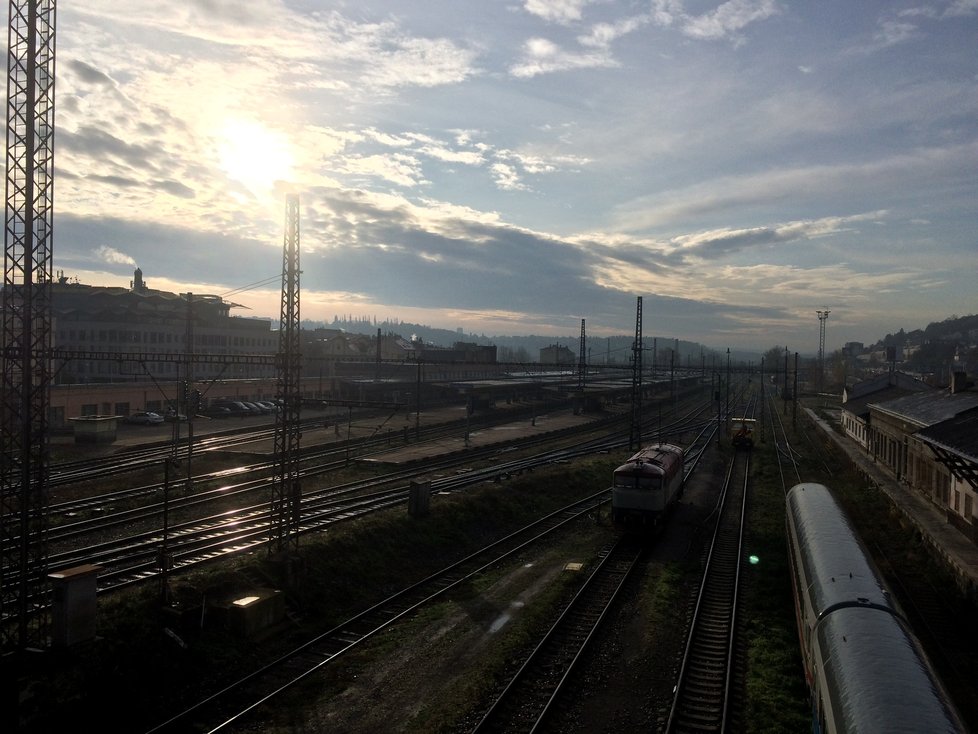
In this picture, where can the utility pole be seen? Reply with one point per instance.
(582, 367)
(728, 384)
(823, 316)
(417, 405)
(762, 400)
(784, 397)
(794, 397)
(376, 372)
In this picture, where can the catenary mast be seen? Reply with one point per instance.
(286, 491)
(635, 434)
(27, 277)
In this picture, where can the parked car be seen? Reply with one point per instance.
(172, 415)
(144, 418)
(272, 407)
(234, 408)
(255, 408)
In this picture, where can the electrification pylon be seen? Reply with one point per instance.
(635, 433)
(286, 491)
(27, 277)
(823, 316)
(582, 362)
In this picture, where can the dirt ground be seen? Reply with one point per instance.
(433, 672)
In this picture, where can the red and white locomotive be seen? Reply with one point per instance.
(648, 484)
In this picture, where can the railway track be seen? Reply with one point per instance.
(703, 695)
(148, 455)
(246, 696)
(134, 558)
(529, 696)
(139, 556)
(124, 508)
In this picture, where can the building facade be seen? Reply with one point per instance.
(105, 334)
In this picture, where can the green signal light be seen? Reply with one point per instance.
(754, 560)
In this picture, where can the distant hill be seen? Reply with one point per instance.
(939, 344)
(601, 350)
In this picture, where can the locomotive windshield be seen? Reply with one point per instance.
(637, 480)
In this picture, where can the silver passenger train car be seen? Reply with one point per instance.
(647, 485)
(865, 668)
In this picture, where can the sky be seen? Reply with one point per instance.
(511, 167)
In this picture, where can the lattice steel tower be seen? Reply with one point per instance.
(635, 432)
(286, 491)
(582, 362)
(823, 316)
(27, 275)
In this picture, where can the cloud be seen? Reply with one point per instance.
(556, 11)
(541, 56)
(961, 8)
(506, 177)
(720, 243)
(420, 62)
(723, 22)
(821, 184)
(99, 143)
(892, 32)
(89, 74)
(603, 34)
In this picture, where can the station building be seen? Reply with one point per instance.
(925, 437)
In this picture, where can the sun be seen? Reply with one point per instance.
(253, 155)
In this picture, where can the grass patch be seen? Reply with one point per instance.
(138, 661)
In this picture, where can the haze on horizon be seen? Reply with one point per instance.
(513, 167)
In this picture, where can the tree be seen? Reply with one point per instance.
(774, 359)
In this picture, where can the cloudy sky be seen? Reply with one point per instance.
(514, 166)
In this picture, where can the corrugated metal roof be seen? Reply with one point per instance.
(959, 435)
(927, 409)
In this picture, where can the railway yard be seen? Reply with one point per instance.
(515, 604)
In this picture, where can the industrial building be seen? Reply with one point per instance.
(96, 322)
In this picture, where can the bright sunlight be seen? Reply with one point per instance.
(254, 156)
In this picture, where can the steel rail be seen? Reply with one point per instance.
(528, 697)
(261, 686)
(702, 697)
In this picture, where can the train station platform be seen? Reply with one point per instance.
(957, 551)
(483, 436)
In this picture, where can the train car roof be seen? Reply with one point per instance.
(837, 566)
(654, 458)
(879, 677)
(652, 451)
(641, 467)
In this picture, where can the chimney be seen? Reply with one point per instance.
(137, 282)
(959, 382)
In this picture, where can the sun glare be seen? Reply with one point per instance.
(253, 155)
